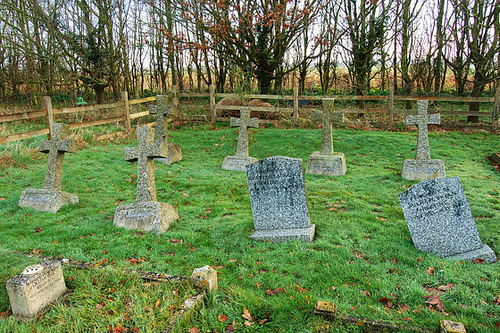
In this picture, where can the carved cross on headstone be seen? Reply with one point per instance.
(243, 122)
(161, 109)
(422, 120)
(325, 117)
(144, 154)
(56, 149)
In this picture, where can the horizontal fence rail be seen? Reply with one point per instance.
(290, 107)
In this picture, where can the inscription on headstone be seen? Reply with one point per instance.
(241, 159)
(278, 198)
(325, 161)
(50, 198)
(32, 291)
(440, 221)
(423, 167)
(146, 213)
(162, 111)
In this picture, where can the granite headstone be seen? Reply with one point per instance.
(440, 221)
(423, 167)
(278, 199)
(146, 213)
(50, 198)
(32, 291)
(326, 162)
(241, 159)
(162, 110)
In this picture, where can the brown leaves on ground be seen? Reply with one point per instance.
(194, 330)
(302, 290)
(246, 314)
(275, 291)
(430, 271)
(223, 318)
(365, 293)
(434, 301)
(134, 261)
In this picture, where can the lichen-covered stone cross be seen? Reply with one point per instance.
(243, 122)
(325, 117)
(56, 149)
(422, 120)
(144, 154)
(161, 109)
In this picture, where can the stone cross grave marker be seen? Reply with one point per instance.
(278, 198)
(50, 198)
(241, 159)
(32, 291)
(162, 111)
(325, 161)
(423, 167)
(146, 213)
(440, 221)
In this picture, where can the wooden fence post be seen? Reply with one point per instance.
(47, 105)
(391, 106)
(295, 104)
(496, 108)
(175, 101)
(213, 113)
(127, 110)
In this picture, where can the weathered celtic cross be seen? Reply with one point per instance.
(422, 120)
(161, 109)
(56, 147)
(243, 122)
(144, 154)
(325, 117)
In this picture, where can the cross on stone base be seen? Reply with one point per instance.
(325, 161)
(241, 159)
(162, 111)
(146, 214)
(50, 198)
(423, 167)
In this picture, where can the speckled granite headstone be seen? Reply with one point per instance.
(146, 213)
(325, 161)
(440, 220)
(423, 167)
(50, 198)
(162, 110)
(241, 159)
(32, 291)
(278, 198)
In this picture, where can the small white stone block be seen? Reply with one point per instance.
(448, 326)
(32, 291)
(204, 278)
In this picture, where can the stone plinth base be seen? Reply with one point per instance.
(286, 235)
(31, 292)
(237, 162)
(148, 216)
(327, 165)
(485, 253)
(46, 200)
(174, 154)
(423, 169)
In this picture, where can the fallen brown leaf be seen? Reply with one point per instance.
(430, 270)
(447, 287)
(365, 293)
(302, 290)
(247, 323)
(478, 261)
(432, 299)
(246, 314)
(223, 318)
(194, 330)
(274, 292)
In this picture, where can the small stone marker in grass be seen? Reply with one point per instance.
(204, 278)
(326, 162)
(32, 291)
(50, 198)
(146, 213)
(162, 111)
(422, 167)
(278, 198)
(241, 159)
(440, 221)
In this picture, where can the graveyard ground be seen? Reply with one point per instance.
(362, 258)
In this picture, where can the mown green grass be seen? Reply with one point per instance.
(362, 251)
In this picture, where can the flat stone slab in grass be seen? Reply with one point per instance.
(326, 162)
(150, 216)
(174, 154)
(32, 291)
(46, 200)
(423, 169)
(278, 198)
(440, 221)
(237, 162)
(50, 198)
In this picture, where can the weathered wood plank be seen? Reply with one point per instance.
(139, 114)
(89, 108)
(25, 135)
(23, 116)
(97, 122)
(143, 100)
(445, 99)
(255, 108)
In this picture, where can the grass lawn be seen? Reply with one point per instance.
(362, 251)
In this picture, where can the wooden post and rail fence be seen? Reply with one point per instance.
(285, 100)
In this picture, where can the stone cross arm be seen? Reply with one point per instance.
(67, 146)
(156, 150)
(432, 119)
(249, 122)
